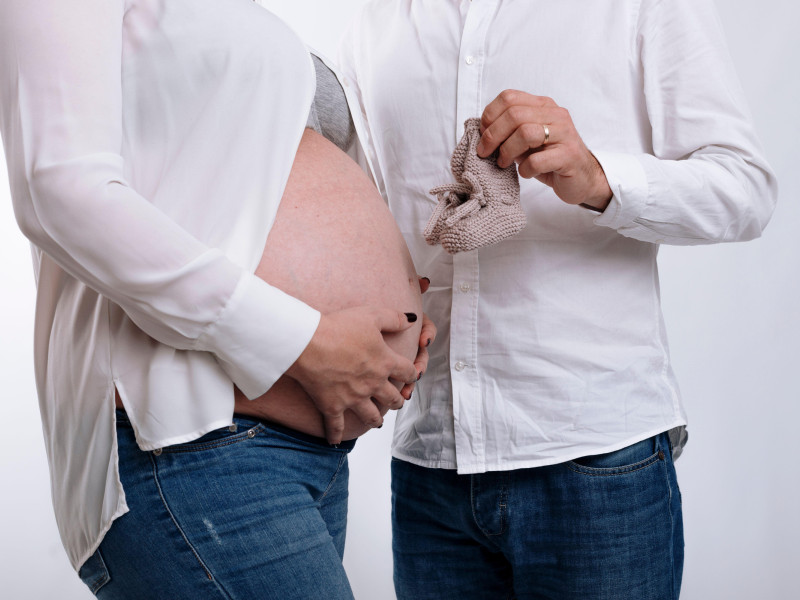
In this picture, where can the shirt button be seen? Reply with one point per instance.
(465, 287)
(469, 60)
(460, 366)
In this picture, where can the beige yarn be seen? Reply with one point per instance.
(482, 207)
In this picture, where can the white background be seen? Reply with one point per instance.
(734, 321)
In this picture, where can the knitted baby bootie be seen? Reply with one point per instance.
(482, 207)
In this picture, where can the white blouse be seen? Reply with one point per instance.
(551, 344)
(148, 145)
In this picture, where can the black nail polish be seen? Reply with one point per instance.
(428, 343)
(419, 376)
(379, 426)
(412, 317)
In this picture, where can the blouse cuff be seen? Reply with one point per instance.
(260, 334)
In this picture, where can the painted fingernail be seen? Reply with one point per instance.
(412, 317)
(419, 376)
(428, 343)
(428, 279)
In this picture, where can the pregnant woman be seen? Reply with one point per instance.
(213, 284)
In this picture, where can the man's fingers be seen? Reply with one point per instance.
(508, 98)
(526, 137)
(549, 160)
(504, 127)
(334, 427)
(504, 100)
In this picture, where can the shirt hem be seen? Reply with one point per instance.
(510, 464)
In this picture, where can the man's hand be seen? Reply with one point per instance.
(539, 136)
(426, 337)
(347, 366)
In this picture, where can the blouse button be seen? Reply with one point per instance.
(460, 366)
(469, 60)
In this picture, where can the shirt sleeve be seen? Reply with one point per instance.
(707, 180)
(61, 98)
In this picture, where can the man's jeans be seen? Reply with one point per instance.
(606, 527)
(246, 512)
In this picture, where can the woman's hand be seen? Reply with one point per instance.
(540, 137)
(426, 337)
(347, 366)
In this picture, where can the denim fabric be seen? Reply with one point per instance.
(247, 511)
(598, 528)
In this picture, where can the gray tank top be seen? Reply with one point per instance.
(330, 115)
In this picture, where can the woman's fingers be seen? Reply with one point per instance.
(424, 284)
(347, 362)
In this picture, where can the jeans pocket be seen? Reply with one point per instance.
(94, 572)
(632, 458)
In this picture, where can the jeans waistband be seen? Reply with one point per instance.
(124, 420)
(303, 437)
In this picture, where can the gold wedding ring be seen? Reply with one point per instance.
(546, 134)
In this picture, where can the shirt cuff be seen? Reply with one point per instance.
(628, 182)
(260, 334)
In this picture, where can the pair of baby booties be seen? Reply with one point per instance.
(482, 207)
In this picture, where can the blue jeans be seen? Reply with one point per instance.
(598, 528)
(247, 511)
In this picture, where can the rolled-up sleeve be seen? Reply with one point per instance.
(707, 179)
(61, 99)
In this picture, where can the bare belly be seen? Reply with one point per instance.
(334, 245)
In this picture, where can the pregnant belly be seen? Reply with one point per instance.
(334, 245)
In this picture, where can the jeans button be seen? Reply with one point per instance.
(251, 433)
(660, 455)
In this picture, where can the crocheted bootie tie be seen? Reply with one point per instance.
(482, 207)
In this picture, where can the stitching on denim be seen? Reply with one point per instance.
(475, 516)
(221, 443)
(103, 578)
(342, 458)
(612, 471)
(206, 570)
(671, 525)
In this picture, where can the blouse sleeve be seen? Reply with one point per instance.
(707, 180)
(60, 97)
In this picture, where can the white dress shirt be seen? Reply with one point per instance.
(148, 144)
(551, 344)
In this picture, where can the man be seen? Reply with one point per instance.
(535, 460)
